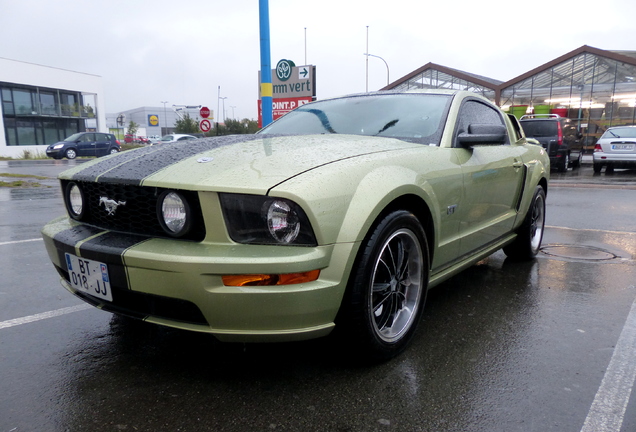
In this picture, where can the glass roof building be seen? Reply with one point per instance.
(596, 88)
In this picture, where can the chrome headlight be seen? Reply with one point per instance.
(174, 213)
(74, 199)
(257, 219)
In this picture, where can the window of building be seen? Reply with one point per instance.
(7, 102)
(26, 132)
(51, 134)
(47, 103)
(23, 102)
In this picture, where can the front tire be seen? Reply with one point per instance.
(530, 234)
(387, 289)
(70, 154)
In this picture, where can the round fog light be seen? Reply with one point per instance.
(74, 200)
(174, 214)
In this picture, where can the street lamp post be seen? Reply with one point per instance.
(223, 99)
(387, 65)
(165, 116)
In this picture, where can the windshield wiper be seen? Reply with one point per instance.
(322, 117)
(388, 125)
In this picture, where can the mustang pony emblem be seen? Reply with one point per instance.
(110, 205)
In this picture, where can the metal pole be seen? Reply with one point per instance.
(165, 117)
(218, 104)
(367, 87)
(267, 102)
(223, 99)
(305, 45)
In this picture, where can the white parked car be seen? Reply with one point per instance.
(616, 148)
(170, 138)
(154, 139)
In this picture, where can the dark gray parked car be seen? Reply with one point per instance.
(558, 135)
(84, 144)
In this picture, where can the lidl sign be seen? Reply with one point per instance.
(153, 120)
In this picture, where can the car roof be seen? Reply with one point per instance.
(621, 127)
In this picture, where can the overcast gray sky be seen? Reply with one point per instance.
(182, 51)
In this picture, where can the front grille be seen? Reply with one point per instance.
(139, 213)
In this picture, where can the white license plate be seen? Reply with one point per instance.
(89, 276)
(622, 146)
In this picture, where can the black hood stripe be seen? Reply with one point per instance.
(132, 167)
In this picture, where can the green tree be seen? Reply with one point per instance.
(133, 128)
(186, 125)
(235, 127)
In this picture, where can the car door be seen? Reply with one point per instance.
(493, 175)
(86, 145)
(102, 144)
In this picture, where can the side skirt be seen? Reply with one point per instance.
(467, 261)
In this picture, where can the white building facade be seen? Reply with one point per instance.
(42, 105)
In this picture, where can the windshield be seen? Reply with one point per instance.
(74, 137)
(625, 132)
(412, 117)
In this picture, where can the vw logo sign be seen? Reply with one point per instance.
(284, 69)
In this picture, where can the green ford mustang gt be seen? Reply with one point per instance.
(342, 214)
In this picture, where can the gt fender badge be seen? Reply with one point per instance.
(110, 205)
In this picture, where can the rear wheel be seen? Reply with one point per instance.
(597, 167)
(387, 289)
(113, 151)
(530, 234)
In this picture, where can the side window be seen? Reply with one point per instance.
(476, 112)
(101, 137)
(89, 137)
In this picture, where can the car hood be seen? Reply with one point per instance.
(238, 163)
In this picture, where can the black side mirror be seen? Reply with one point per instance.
(483, 134)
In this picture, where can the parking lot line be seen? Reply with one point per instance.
(608, 409)
(20, 241)
(43, 315)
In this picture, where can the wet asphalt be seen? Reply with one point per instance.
(504, 346)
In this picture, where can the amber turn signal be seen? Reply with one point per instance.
(270, 279)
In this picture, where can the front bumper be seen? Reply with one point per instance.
(54, 153)
(179, 283)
